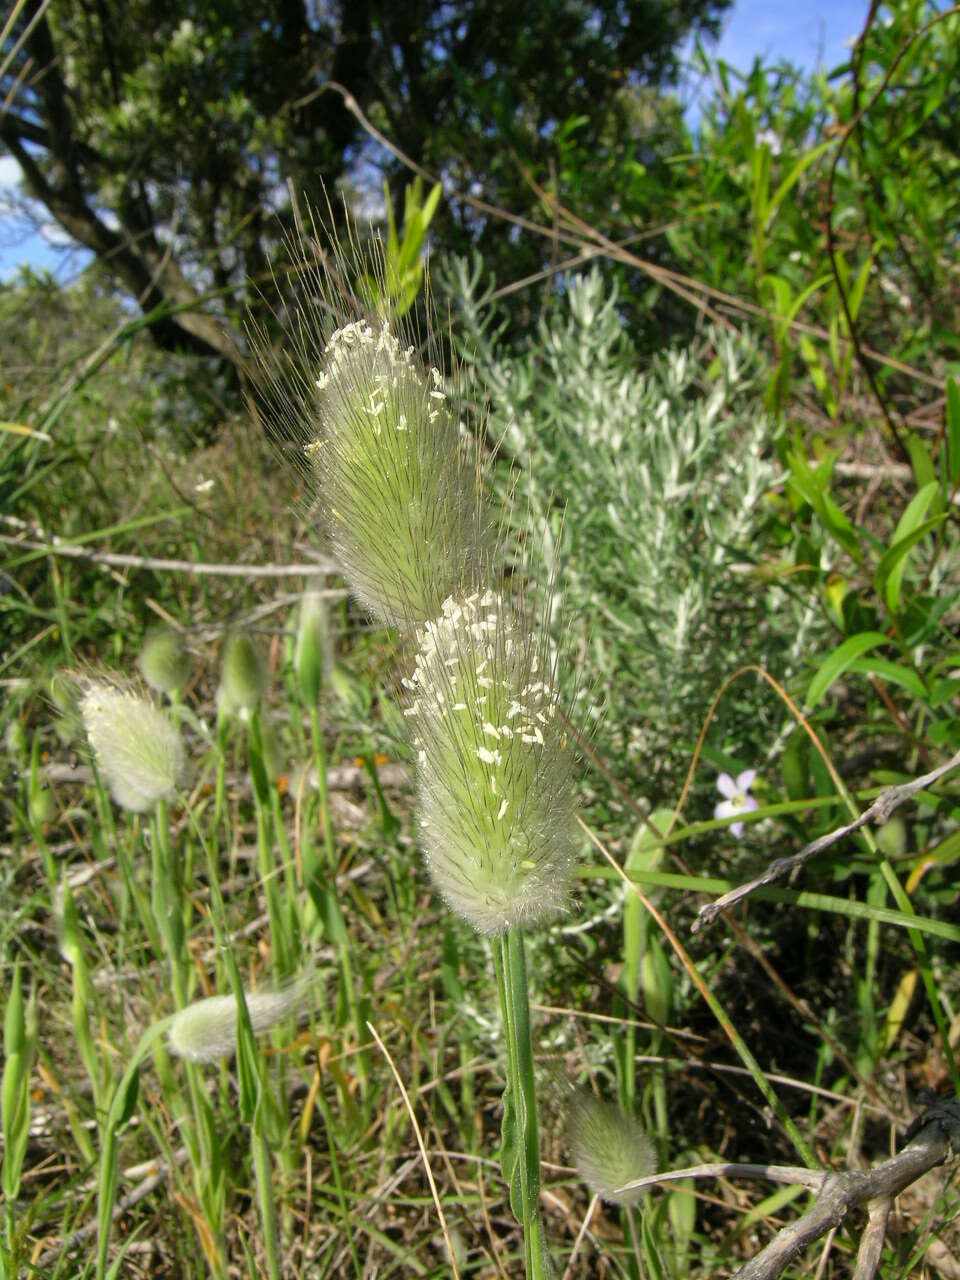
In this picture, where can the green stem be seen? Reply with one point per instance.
(511, 968)
(343, 945)
(320, 757)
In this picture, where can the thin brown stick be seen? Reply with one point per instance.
(871, 1242)
(881, 809)
(843, 1192)
(119, 560)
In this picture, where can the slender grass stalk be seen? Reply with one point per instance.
(522, 1161)
(341, 937)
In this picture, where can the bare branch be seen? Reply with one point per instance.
(119, 560)
(879, 811)
(843, 1192)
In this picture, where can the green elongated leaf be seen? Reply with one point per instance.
(652, 1261)
(855, 298)
(953, 431)
(125, 1101)
(889, 574)
(787, 185)
(920, 460)
(814, 364)
(837, 662)
(813, 486)
(645, 854)
(892, 672)
(798, 303)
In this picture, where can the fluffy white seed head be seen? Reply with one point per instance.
(138, 749)
(360, 393)
(609, 1148)
(495, 800)
(206, 1030)
(397, 489)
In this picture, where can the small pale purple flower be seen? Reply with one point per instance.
(737, 798)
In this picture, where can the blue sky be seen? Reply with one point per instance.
(805, 32)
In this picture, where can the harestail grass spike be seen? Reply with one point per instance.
(206, 1030)
(243, 678)
(138, 748)
(396, 481)
(495, 802)
(609, 1148)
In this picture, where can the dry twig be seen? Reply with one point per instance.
(879, 811)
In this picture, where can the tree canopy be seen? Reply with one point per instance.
(162, 137)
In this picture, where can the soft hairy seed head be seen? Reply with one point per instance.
(609, 1148)
(163, 660)
(397, 489)
(357, 388)
(138, 749)
(313, 652)
(206, 1030)
(243, 678)
(495, 802)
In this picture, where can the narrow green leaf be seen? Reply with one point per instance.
(836, 663)
(953, 431)
(893, 673)
(890, 570)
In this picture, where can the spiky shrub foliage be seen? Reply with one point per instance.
(379, 430)
(662, 475)
(609, 1148)
(495, 805)
(138, 749)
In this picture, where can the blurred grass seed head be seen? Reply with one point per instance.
(609, 1148)
(163, 660)
(138, 749)
(206, 1031)
(243, 678)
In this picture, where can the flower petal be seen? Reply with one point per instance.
(745, 779)
(737, 829)
(726, 809)
(749, 804)
(726, 786)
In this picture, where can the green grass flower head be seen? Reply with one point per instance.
(163, 660)
(609, 1148)
(243, 679)
(206, 1031)
(138, 749)
(364, 396)
(313, 652)
(495, 801)
(398, 493)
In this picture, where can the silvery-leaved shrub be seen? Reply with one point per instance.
(378, 427)
(609, 1148)
(137, 747)
(646, 489)
(493, 764)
